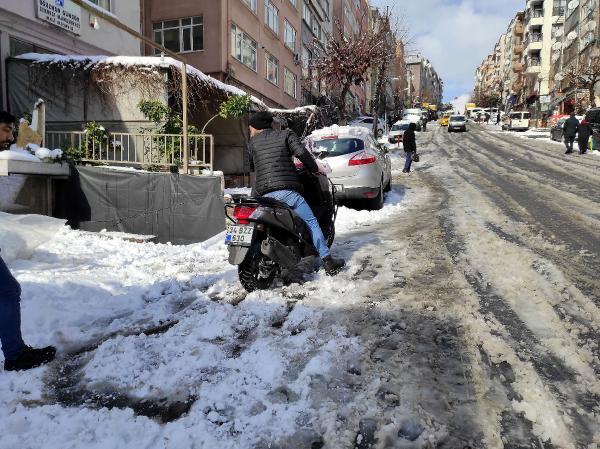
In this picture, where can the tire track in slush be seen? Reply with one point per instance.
(549, 368)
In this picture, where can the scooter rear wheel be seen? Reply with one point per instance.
(249, 271)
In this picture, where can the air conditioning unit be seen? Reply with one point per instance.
(297, 59)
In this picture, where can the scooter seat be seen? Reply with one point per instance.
(299, 223)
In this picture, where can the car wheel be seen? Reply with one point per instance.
(388, 187)
(377, 202)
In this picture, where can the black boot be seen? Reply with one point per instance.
(332, 266)
(31, 358)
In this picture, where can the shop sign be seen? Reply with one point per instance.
(62, 13)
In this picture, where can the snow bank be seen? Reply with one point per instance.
(20, 235)
(18, 155)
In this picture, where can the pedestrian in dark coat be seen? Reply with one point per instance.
(409, 141)
(584, 131)
(570, 131)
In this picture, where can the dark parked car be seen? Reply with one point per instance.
(593, 117)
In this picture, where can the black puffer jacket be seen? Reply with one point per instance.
(271, 154)
(409, 139)
(570, 127)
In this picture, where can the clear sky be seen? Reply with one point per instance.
(455, 35)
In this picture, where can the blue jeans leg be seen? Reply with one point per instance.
(10, 314)
(301, 207)
(408, 160)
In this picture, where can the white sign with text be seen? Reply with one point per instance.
(61, 13)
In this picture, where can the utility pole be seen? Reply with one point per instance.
(184, 86)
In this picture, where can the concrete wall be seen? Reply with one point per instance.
(19, 20)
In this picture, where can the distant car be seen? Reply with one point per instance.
(445, 119)
(414, 116)
(593, 117)
(397, 132)
(367, 122)
(457, 123)
(361, 168)
(518, 121)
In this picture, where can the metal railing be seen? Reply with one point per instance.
(558, 11)
(136, 149)
(534, 62)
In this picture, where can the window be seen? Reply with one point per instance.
(294, 2)
(271, 16)
(289, 36)
(272, 71)
(104, 4)
(306, 59)
(250, 4)
(19, 47)
(180, 35)
(290, 81)
(243, 47)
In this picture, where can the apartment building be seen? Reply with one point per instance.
(576, 44)
(512, 65)
(59, 26)
(542, 20)
(253, 44)
(317, 29)
(425, 83)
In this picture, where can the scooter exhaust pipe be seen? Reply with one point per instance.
(279, 253)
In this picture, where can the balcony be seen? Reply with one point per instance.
(518, 67)
(558, 11)
(533, 42)
(518, 49)
(534, 65)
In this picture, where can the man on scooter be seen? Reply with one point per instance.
(271, 158)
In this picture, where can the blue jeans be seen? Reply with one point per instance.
(408, 160)
(301, 207)
(10, 314)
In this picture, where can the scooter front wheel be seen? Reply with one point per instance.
(253, 271)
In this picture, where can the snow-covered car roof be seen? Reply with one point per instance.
(358, 132)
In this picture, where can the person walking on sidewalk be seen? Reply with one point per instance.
(570, 131)
(271, 157)
(584, 132)
(17, 355)
(409, 141)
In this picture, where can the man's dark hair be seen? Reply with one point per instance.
(7, 118)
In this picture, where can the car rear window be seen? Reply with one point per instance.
(368, 120)
(402, 127)
(519, 115)
(457, 118)
(339, 147)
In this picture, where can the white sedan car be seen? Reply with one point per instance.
(367, 123)
(361, 168)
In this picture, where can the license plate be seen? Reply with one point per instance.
(239, 235)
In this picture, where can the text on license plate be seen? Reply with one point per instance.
(239, 235)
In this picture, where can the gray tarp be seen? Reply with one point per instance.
(175, 208)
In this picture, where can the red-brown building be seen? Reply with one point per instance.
(252, 44)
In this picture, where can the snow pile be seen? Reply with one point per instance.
(32, 153)
(144, 61)
(340, 131)
(20, 235)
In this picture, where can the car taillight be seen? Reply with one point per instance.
(243, 213)
(362, 158)
(299, 165)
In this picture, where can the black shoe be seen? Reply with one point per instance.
(404, 170)
(31, 358)
(568, 152)
(332, 266)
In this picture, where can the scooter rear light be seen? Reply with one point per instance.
(362, 158)
(243, 213)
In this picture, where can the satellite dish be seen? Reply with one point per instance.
(573, 4)
(572, 35)
(558, 32)
(558, 77)
(590, 26)
(556, 46)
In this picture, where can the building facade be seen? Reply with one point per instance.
(317, 29)
(253, 44)
(425, 84)
(576, 45)
(58, 26)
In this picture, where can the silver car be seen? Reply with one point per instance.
(361, 168)
(457, 123)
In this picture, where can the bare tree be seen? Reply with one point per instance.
(345, 61)
(585, 75)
